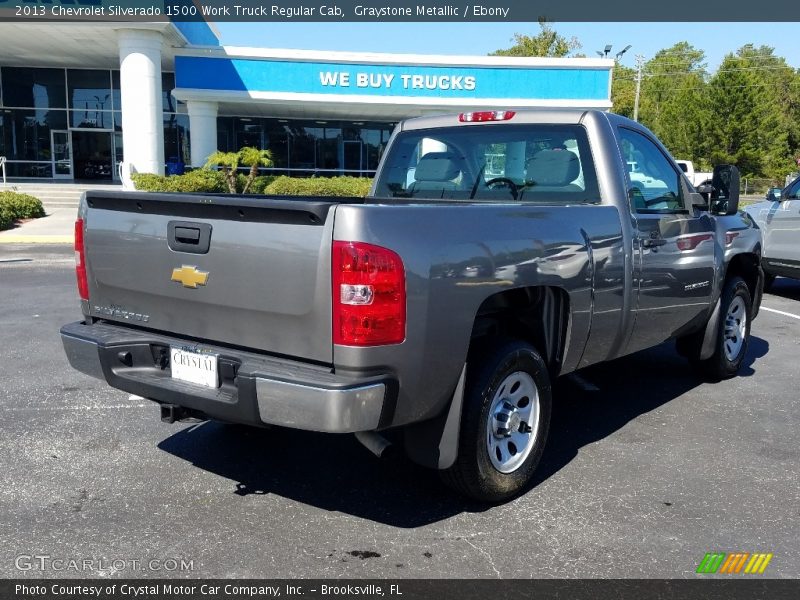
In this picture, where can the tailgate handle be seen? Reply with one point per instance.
(194, 238)
(187, 235)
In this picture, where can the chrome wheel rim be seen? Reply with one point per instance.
(513, 422)
(735, 328)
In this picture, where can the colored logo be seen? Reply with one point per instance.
(189, 276)
(734, 563)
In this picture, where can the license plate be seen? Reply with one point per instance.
(194, 367)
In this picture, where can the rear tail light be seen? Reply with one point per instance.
(486, 115)
(80, 261)
(369, 295)
(690, 242)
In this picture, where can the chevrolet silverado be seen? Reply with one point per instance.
(496, 251)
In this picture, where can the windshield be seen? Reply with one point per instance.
(548, 164)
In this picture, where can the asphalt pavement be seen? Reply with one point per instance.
(641, 477)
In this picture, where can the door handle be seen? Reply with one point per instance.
(653, 242)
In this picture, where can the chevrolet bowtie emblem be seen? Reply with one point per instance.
(189, 276)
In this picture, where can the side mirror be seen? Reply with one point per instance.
(725, 195)
(706, 190)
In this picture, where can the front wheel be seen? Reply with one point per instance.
(504, 423)
(733, 335)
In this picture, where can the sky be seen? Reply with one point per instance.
(716, 39)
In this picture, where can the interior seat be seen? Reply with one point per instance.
(437, 171)
(554, 171)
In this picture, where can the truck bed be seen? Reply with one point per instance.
(265, 260)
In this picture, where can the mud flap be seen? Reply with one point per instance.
(759, 293)
(434, 443)
(710, 334)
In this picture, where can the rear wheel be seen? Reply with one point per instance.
(733, 335)
(504, 423)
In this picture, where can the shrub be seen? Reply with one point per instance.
(21, 206)
(241, 181)
(149, 182)
(320, 186)
(198, 181)
(260, 183)
(209, 181)
(6, 218)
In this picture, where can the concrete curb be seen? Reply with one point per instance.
(36, 239)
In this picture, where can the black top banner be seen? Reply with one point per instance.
(399, 11)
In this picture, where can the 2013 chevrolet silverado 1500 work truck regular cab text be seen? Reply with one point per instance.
(497, 251)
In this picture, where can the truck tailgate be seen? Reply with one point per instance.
(262, 283)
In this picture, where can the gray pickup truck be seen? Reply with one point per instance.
(497, 251)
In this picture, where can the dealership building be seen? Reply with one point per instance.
(95, 101)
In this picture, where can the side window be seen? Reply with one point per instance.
(793, 193)
(654, 184)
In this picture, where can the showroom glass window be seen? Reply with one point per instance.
(176, 138)
(301, 148)
(27, 133)
(168, 102)
(3, 117)
(38, 88)
(276, 139)
(90, 99)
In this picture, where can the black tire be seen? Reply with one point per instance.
(474, 474)
(721, 365)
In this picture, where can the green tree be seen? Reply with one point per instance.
(754, 98)
(623, 90)
(254, 158)
(546, 43)
(229, 163)
(673, 102)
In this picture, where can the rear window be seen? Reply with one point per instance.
(548, 164)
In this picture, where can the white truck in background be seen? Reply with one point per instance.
(695, 177)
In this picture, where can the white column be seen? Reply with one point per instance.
(202, 130)
(515, 161)
(142, 112)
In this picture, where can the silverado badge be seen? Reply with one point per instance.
(189, 276)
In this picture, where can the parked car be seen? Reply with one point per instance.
(773, 194)
(437, 311)
(779, 220)
(696, 178)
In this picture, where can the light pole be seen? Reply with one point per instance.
(605, 52)
(639, 65)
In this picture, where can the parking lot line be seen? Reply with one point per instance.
(780, 312)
